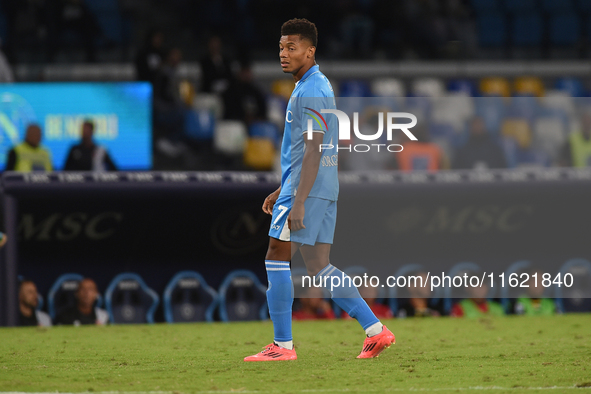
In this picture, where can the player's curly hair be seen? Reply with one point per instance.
(302, 27)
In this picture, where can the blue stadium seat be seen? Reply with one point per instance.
(63, 294)
(573, 86)
(451, 293)
(492, 30)
(129, 300)
(552, 6)
(520, 6)
(527, 30)
(199, 125)
(266, 130)
(188, 298)
(242, 297)
(576, 298)
(565, 29)
(463, 86)
(354, 88)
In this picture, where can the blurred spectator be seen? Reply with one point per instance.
(149, 59)
(169, 109)
(244, 100)
(577, 150)
(74, 16)
(28, 299)
(313, 306)
(421, 154)
(370, 295)
(477, 305)
(480, 152)
(417, 305)
(166, 83)
(84, 312)
(88, 156)
(6, 74)
(29, 155)
(3, 239)
(216, 69)
(533, 303)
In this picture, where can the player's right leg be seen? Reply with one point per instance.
(280, 290)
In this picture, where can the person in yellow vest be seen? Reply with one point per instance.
(29, 155)
(477, 305)
(577, 150)
(533, 303)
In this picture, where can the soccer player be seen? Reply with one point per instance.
(304, 208)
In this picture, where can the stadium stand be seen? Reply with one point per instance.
(188, 298)
(129, 300)
(353, 88)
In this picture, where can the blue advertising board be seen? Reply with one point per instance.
(121, 113)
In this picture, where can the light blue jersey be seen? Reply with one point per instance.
(312, 94)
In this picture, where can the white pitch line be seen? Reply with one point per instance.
(474, 388)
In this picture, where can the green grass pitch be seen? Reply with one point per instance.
(512, 354)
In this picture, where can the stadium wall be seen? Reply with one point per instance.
(156, 224)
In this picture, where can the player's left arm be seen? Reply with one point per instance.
(310, 165)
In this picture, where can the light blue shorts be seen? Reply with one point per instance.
(320, 220)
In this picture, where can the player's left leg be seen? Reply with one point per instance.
(346, 295)
(340, 286)
(316, 254)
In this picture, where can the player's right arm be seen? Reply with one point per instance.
(269, 202)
